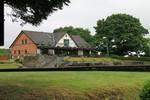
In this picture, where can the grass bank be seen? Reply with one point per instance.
(9, 65)
(72, 85)
(108, 60)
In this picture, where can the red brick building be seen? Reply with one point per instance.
(31, 43)
(23, 45)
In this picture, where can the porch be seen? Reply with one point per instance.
(65, 51)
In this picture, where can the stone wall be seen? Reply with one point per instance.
(43, 61)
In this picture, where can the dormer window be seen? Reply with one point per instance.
(66, 42)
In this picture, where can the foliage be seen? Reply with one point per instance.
(90, 59)
(4, 52)
(146, 46)
(121, 33)
(117, 62)
(145, 94)
(34, 11)
(19, 61)
(113, 60)
(132, 58)
(84, 33)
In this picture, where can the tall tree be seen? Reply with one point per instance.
(146, 46)
(84, 33)
(123, 33)
(34, 11)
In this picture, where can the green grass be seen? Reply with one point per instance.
(9, 65)
(69, 84)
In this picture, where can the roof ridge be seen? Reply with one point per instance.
(34, 31)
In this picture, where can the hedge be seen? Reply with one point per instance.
(145, 94)
(132, 58)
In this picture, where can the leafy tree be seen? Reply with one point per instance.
(123, 33)
(34, 11)
(84, 33)
(146, 46)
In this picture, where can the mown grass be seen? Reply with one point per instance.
(6, 65)
(70, 85)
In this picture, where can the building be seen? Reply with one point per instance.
(31, 43)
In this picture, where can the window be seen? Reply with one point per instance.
(26, 52)
(22, 41)
(44, 51)
(25, 41)
(19, 52)
(14, 51)
(66, 42)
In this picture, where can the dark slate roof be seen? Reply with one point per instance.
(58, 36)
(80, 42)
(50, 39)
(40, 38)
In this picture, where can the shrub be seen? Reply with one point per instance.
(132, 58)
(145, 94)
(18, 61)
(117, 62)
(137, 62)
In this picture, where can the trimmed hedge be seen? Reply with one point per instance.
(132, 58)
(145, 94)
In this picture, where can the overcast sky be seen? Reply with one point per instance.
(82, 13)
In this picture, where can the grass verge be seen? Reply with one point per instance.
(72, 85)
(9, 65)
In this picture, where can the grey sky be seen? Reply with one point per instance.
(83, 13)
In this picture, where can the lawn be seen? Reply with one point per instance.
(9, 65)
(72, 85)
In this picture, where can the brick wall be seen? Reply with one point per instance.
(23, 46)
(4, 58)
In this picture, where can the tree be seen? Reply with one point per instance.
(146, 46)
(123, 32)
(34, 11)
(84, 33)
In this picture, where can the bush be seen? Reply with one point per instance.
(145, 94)
(137, 62)
(19, 61)
(117, 62)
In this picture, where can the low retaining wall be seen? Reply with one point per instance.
(144, 68)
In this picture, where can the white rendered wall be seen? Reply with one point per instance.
(80, 52)
(38, 51)
(61, 41)
(51, 51)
